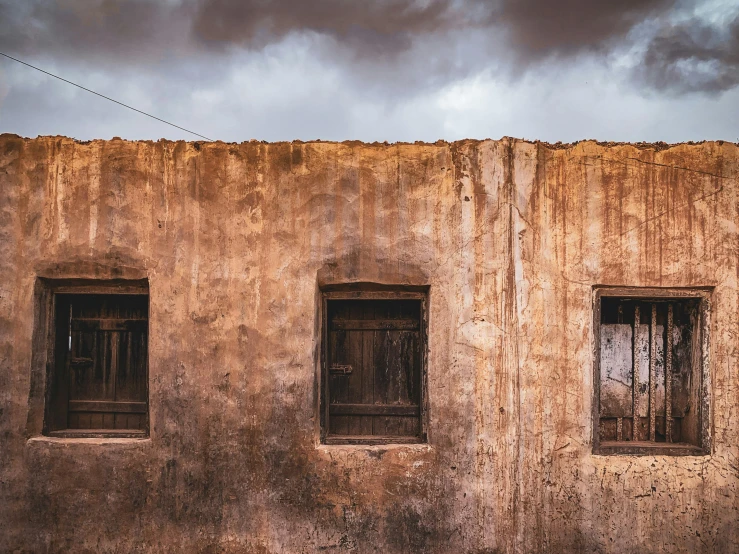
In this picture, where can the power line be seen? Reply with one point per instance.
(103, 96)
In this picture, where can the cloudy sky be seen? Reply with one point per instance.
(374, 70)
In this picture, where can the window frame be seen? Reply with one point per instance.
(373, 292)
(54, 288)
(703, 296)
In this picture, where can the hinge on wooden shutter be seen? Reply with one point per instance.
(340, 369)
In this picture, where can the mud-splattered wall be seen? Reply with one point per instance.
(236, 240)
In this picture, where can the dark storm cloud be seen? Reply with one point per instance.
(380, 26)
(540, 28)
(536, 28)
(693, 57)
(119, 31)
(402, 43)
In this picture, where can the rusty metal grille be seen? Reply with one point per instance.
(649, 371)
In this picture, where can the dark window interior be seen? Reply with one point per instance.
(650, 371)
(373, 365)
(100, 375)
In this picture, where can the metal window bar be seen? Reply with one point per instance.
(652, 386)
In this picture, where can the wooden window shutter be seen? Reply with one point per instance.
(373, 370)
(102, 363)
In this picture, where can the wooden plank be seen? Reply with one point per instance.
(409, 425)
(113, 286)
(648, 448)
(338, 384)
(375, 295)
(99, 433)
(668, 376)
(131, 375)
(374, 324)
(83, 421)
(96, 421)
(411, 353)
(395, 383)
(73, 421)
(682, 360)
(380, 358)
(90, 381)
(642, 345)
(649, 343)
(616, 374)
(374, 409)
(57, 414)
(372, 439)
(636, 377)
(108, 324)
(121, 421)
(653, 294)
(368, 379)
(107, 406)
(357, 311)
(695, 425)
(393, 367)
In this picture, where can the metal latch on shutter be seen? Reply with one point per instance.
(340, 369)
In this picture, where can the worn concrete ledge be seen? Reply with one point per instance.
(89, 441)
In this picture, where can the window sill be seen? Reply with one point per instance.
(99, 434)
(369, 440)
(646, 448)
(373, 444)
(92, 436)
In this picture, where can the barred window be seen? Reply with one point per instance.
(651, 372)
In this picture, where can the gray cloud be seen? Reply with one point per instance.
(96, 31)
(404, 43)
(386, 69)
(536, 28)
(542, 28)
(692, 56)
(382, 27)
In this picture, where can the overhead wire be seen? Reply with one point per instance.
(103, 96)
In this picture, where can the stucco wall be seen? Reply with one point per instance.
(235, 240)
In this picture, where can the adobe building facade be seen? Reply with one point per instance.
(501, 249)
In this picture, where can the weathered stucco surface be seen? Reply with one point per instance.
(235, 240)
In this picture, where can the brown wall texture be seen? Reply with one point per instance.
(236, 241)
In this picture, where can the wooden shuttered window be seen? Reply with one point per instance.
(649, 377)
(373, 370)
(100, 366)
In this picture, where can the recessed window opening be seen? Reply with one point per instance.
(650, 380)
(99, 377)
(373, 368)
